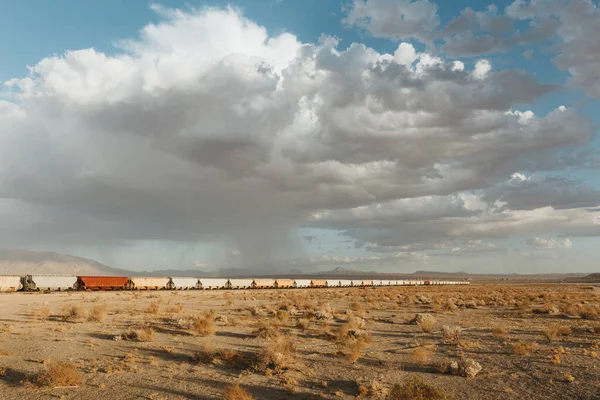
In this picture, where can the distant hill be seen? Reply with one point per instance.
(20, 262)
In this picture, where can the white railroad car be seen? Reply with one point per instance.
(148, 283)
(212, 283)
(356, 283)
(284, 283)
(302, 283)
(345, 282)
(263, 283)
(50, 282)
(184, 283)
(333, 283)
(240, 283)
(10, 283)
(367, 283)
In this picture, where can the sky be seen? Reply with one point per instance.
(378, 135)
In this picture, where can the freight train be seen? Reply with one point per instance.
(13, 283)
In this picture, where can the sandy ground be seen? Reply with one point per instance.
(35, 334)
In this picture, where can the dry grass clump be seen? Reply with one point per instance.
(60, 374)
(283, 316)
(203, 326)
(357, 307)
(267, 328)
(228, 357)
(425, 321)
(589, 312)
(524, 348)
(500, 331)
(73, 312)
(235, 392)
(552, 332)
(417, 389)
(153, 308)
(422, 355)
(452, 334)
(97, 314)
(278, 356)
(303, 324)
(352, 338)
(145, 334)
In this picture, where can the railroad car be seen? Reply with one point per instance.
(283, 283)
(179, 283)
(102, 282)
(10, 283)
(143, 283)
(333, 283)
(213, 283)
(318, 283)
(240, 283)
(345, 283)
(367, 283)
(356, 283)
(302, 283)
(49, 282)
(263, 283)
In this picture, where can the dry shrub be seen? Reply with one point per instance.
(422, 355)
(524, 348)
(568, 377)
(555, 359)
(417, 389)
(228, 357)
(303, 324)
(145, 334)
(451, 334)
(153, 308)
(267, 328)
(73, 312)
(203, 326)
(352, 348)
(426, 322)
(97, 314)
(283, 316)
(588, 312)
(278, 356)
(552, 332)
(357, 307)
(60, 374)
(500, 331)
(235, 392)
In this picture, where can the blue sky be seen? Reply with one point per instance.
(325, 212)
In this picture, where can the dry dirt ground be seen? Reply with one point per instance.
(531, 341)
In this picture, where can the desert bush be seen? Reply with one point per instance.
(468, 367)
(153, 308)
(97, 314)
(588, 312)
(357, 307)
(73, 312)
(235, 392)
(283, 316)
(203, 326)
(278, 355)
(422, 355)
(267, 328)
(524, 348)
(145, 334)
(451, 334)
(552, 332)
(303, 324)
(500, 331)
(60, 374)
(417, 389)
(425, 321)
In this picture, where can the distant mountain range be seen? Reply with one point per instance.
(18, 261)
